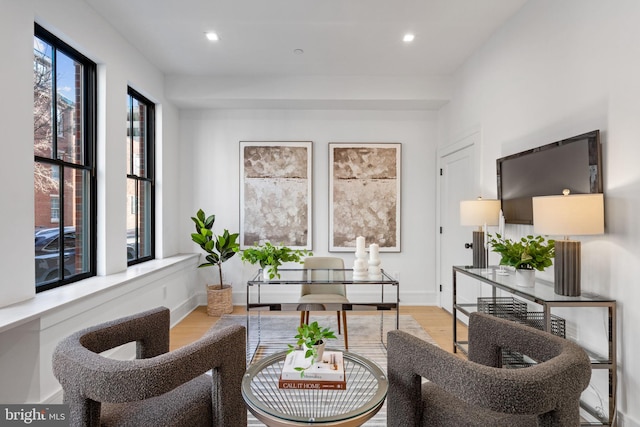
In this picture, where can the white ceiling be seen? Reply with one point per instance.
(339, 37)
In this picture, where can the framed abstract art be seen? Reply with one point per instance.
(275, 193)
(364, 195)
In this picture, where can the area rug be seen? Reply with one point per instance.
(274, 332)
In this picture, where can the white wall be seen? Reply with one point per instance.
(212, 171)
(30, 324)
(555, 70)
(310, 92)
(16, 175)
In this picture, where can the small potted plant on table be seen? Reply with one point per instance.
(218, 249)
(526, 255)
(270, 257)
(311, 339)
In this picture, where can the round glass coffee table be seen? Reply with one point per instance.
(365, 393)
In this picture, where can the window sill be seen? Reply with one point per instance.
(48, 301)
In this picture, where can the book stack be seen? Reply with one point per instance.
(327, 374)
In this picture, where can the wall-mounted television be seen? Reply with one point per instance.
(574, 163)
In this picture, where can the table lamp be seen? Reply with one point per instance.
(575, 214)
(480, 212)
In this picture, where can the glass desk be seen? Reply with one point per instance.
(365, 393)
(281, 294)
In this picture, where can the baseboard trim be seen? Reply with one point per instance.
(184, 309)
(55, 399)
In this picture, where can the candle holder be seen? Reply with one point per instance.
(360, 264)
(375, 273)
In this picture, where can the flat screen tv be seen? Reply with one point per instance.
(574, 163)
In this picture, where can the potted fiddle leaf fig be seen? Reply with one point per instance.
(270, 257)
(311, 339)
(218, 249)
(526, 255)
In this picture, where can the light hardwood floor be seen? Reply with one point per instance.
(436, 322)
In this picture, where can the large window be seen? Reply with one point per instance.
(64, 162)
(140, 184)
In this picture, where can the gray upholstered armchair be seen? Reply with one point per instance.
(478, 392)
(158, 388)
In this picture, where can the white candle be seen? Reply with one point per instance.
(373, 251)
(360, 244)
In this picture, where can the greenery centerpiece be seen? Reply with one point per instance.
(528, 253)
(311, 339)
(270, 257)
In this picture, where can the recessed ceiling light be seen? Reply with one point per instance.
(211, 36)
(408, 38)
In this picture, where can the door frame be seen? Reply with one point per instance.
(472, 138)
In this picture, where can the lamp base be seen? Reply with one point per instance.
(479, 254)
(567, 267)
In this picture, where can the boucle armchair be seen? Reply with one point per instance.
(478, 391)
(158, 388)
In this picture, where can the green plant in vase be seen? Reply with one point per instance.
(271, 257)
(311, 339)
(528, 253)
(218, 249)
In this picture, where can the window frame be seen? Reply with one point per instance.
(149, 176)
(56, 208)
(89, 140)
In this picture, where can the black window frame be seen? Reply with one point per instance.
(89, 135)
(150, 168)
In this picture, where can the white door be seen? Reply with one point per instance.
(457, 182)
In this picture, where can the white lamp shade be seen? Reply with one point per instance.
(570, 215)
(479, 212)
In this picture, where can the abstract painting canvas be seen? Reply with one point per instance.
(364, 195)
(275, 193)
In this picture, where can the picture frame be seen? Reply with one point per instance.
(275, 193)
(364, 195)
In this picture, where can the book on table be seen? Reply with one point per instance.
(326, 374)
(301, 384)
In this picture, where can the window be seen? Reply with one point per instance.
(64, 162)
(60, 123)
(140, 178)
(55, 208)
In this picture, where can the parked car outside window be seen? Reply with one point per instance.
(47, 250)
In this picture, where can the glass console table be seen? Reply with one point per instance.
(281, 294)
(543, 294)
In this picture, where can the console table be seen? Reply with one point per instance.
(543, 294)
(378, 294)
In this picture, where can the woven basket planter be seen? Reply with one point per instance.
(219, 300)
